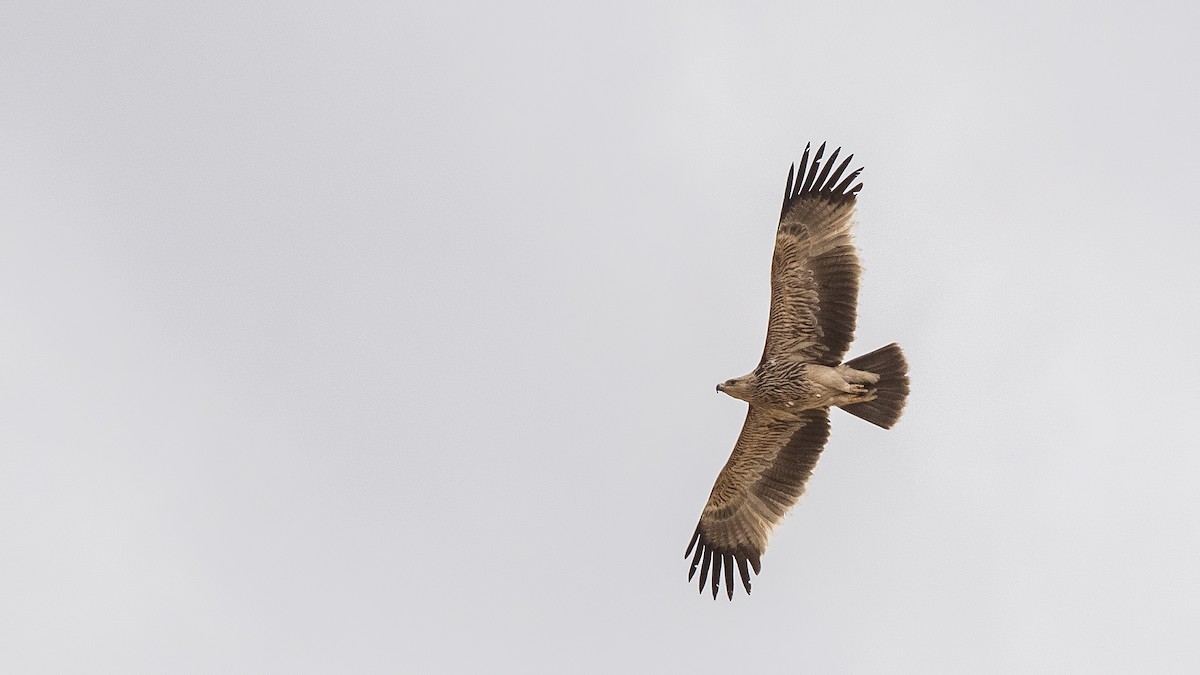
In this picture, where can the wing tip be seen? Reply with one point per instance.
(820, 178)
(712, 560)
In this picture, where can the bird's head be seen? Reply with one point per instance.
(738, 387)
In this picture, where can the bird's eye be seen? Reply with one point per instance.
(729, 383)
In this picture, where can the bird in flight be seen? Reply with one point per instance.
(814, 292)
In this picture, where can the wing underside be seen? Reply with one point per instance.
(815, 267)
(762, 480)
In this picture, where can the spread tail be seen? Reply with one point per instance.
(890, 392)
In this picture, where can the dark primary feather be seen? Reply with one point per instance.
(841, 187)
(803, 169)
(812, 173)
(828, 165)
(787, 190)
(841, 168)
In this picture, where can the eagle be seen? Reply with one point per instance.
(814, 291)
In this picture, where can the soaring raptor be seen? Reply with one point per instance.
(814, 290)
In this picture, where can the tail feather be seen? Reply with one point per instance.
(891, 391)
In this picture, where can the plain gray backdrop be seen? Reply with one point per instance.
(380, 337)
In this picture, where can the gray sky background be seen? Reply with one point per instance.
(383, 338)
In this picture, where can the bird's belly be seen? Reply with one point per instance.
(794, 397)
(793, 406)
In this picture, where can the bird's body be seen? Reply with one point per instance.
(814, 289)
(790, 385)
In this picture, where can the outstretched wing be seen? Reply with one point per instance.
(815, 269)
(762, 480)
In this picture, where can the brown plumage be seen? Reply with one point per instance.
(814, 294)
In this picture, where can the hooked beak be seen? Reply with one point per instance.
(720, 388)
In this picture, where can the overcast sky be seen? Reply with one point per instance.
(382, 338)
